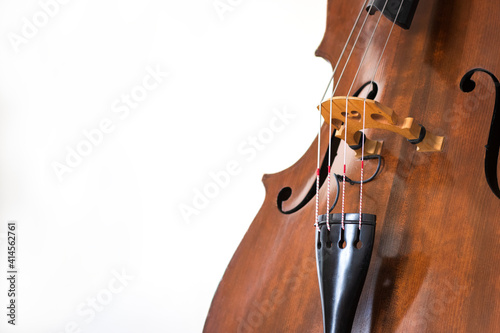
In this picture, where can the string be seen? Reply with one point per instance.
(387, 40)
(364, 113)
(352, 50)
(330, 132)
(329, 165)
(362, 167)
(333, 93)
(346, 111)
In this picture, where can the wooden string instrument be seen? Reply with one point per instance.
(432, 265)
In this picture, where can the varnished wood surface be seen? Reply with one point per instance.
(435, 265)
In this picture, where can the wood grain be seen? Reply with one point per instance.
(435, 262)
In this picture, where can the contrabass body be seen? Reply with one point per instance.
(434, 266)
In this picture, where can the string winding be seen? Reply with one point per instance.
(334, 86)
(330, 132)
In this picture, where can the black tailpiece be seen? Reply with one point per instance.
(343, 258)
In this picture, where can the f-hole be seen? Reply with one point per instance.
(286, 192)
(493, 146)
(371, 94)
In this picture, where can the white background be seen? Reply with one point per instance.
(118, 210)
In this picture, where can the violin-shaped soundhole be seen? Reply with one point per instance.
(370, 91)
(493, 146)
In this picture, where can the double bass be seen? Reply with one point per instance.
(390, 221)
